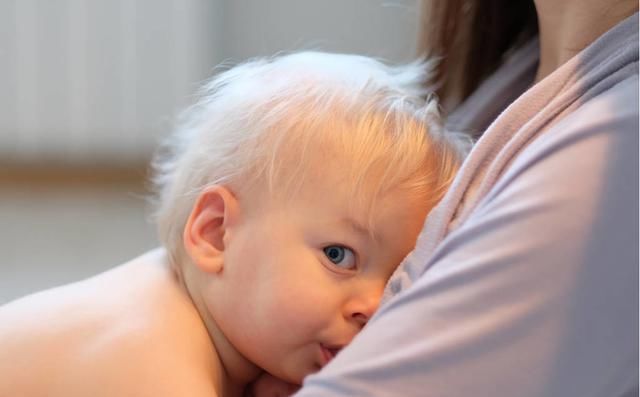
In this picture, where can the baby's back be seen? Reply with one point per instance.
(129, 331)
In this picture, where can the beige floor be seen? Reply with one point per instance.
(53, 232)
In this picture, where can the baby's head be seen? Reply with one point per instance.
(291, 192)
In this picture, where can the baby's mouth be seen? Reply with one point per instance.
(329, 352)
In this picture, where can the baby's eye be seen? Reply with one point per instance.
(342, 257)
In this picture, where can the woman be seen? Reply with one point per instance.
(524, 280)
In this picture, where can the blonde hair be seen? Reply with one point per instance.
(273, 122)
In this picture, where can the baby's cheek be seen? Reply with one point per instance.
(306, 305)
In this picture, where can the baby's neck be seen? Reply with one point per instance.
(234, 370)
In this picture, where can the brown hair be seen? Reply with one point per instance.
(471, 37)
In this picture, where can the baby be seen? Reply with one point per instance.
(287, 197)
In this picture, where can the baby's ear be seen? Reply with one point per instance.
(214, 211)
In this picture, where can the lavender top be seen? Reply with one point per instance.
(524, 281)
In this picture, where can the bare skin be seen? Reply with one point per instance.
(129, 332)
(569, 26)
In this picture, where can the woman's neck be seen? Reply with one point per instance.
(569, 26)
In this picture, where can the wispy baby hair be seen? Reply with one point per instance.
(274, 124)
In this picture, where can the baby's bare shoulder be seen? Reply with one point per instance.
(130, 331)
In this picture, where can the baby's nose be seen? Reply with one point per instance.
(361, 319)
(363, 306)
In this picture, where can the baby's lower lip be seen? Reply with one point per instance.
(327, 355)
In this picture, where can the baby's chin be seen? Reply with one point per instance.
(295, 379)
(296, 376)
(268, 385)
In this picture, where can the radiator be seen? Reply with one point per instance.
(98, 81)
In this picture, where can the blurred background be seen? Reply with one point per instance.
(89, 87)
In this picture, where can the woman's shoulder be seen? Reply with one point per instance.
(610, 117)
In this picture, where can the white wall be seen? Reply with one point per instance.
(99, 81)
(52, 235)
(380, 28)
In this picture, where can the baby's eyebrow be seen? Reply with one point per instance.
(358, 228)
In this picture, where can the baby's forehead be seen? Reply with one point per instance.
(364, 212)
